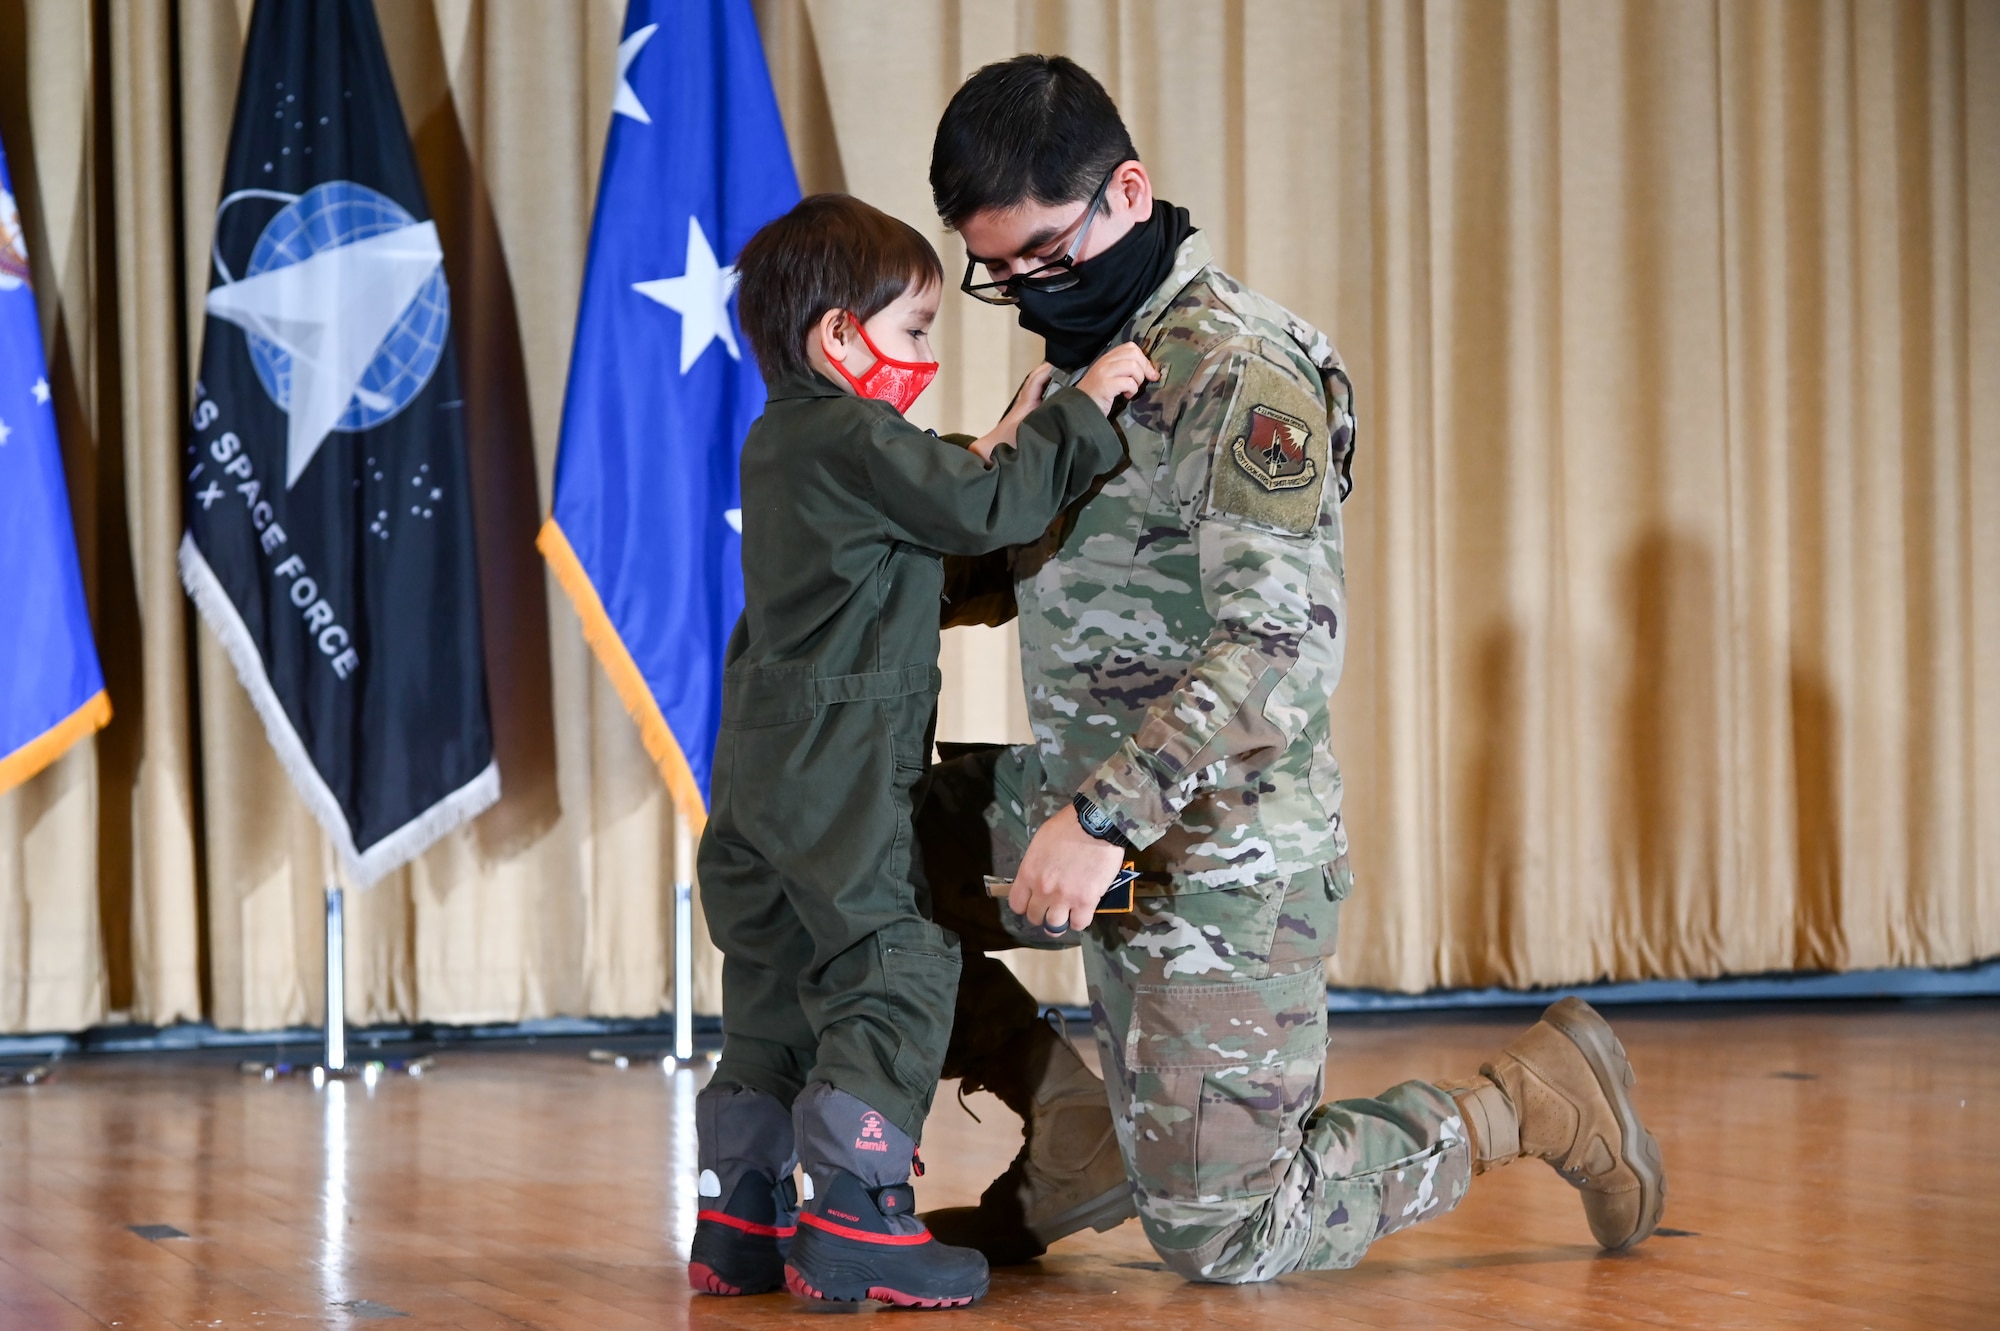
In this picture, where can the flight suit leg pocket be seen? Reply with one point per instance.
(1222, 1076)
(920, 968)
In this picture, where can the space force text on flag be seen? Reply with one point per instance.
(51, 687)
(326, 492)
(645, 530)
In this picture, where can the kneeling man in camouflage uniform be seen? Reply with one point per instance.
(1182, 629)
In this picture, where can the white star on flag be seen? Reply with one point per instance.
(627, 102)
(41, 391)
(701, 296)
(4, 432)
(330, 312)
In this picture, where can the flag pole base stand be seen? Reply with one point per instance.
(334, 1065)
(669, 1062)
(692, 1062)
(369, 1072)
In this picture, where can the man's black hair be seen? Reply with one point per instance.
(1037, 128)
(830, 252)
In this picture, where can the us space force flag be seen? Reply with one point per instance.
(329, 537)
(645, 533)
(51, 690)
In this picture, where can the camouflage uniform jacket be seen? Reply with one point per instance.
(1182, 627)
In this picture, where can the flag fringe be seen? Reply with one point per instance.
(391, 852)
(611, 652)
(53, 743)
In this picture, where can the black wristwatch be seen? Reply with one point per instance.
(1097, 822)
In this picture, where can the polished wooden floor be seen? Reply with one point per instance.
(1830, 1167)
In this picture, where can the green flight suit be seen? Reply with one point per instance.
(833, 970)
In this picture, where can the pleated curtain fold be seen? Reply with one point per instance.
(1675, 333)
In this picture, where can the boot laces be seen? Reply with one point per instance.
(971, 1084)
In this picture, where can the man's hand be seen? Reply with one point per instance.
(1119, 372)
(1064, 874)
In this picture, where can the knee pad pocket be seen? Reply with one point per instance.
(1221, 1076)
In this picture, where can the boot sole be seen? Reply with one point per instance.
(1106, 1211)
(800, 1286)
(1592, 1034)
(703, 1280)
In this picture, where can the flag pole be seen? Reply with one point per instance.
(683, 939)
(335, 1061)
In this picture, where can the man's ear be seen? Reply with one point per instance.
(1131, 191)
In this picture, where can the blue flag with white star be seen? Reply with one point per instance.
(645, 532)
(51, 689)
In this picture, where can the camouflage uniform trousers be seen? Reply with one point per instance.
(1210, 1014)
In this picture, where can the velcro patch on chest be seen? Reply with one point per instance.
(1272, 461)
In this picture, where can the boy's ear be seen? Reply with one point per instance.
(835, 332)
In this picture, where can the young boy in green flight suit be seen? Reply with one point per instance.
(838, 988)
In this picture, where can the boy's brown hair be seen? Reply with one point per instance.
(830, 252)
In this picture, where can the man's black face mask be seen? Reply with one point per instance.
(1080, 321)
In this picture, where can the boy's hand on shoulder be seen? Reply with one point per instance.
(1026, 398)
(1030, 394)
(1119, 372)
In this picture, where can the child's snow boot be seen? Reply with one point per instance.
(859, 1236)
(749, 1203)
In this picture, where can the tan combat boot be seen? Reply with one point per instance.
(1562, 1092)
(1069, 1175)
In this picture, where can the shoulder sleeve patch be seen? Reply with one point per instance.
(1271, 461)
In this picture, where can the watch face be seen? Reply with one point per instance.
(1094, 820)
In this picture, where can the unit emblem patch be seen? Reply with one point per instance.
(1272, 450)
(1270, 461)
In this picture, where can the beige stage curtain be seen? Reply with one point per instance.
(1675, 330)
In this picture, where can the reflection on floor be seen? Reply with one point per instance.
(1829, 1165)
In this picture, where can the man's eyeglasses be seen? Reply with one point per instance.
(1058, 274)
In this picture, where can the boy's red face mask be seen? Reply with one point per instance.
(898, 382)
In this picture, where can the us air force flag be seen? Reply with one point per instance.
(51, 690)
(645, 532)
(329, 533)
